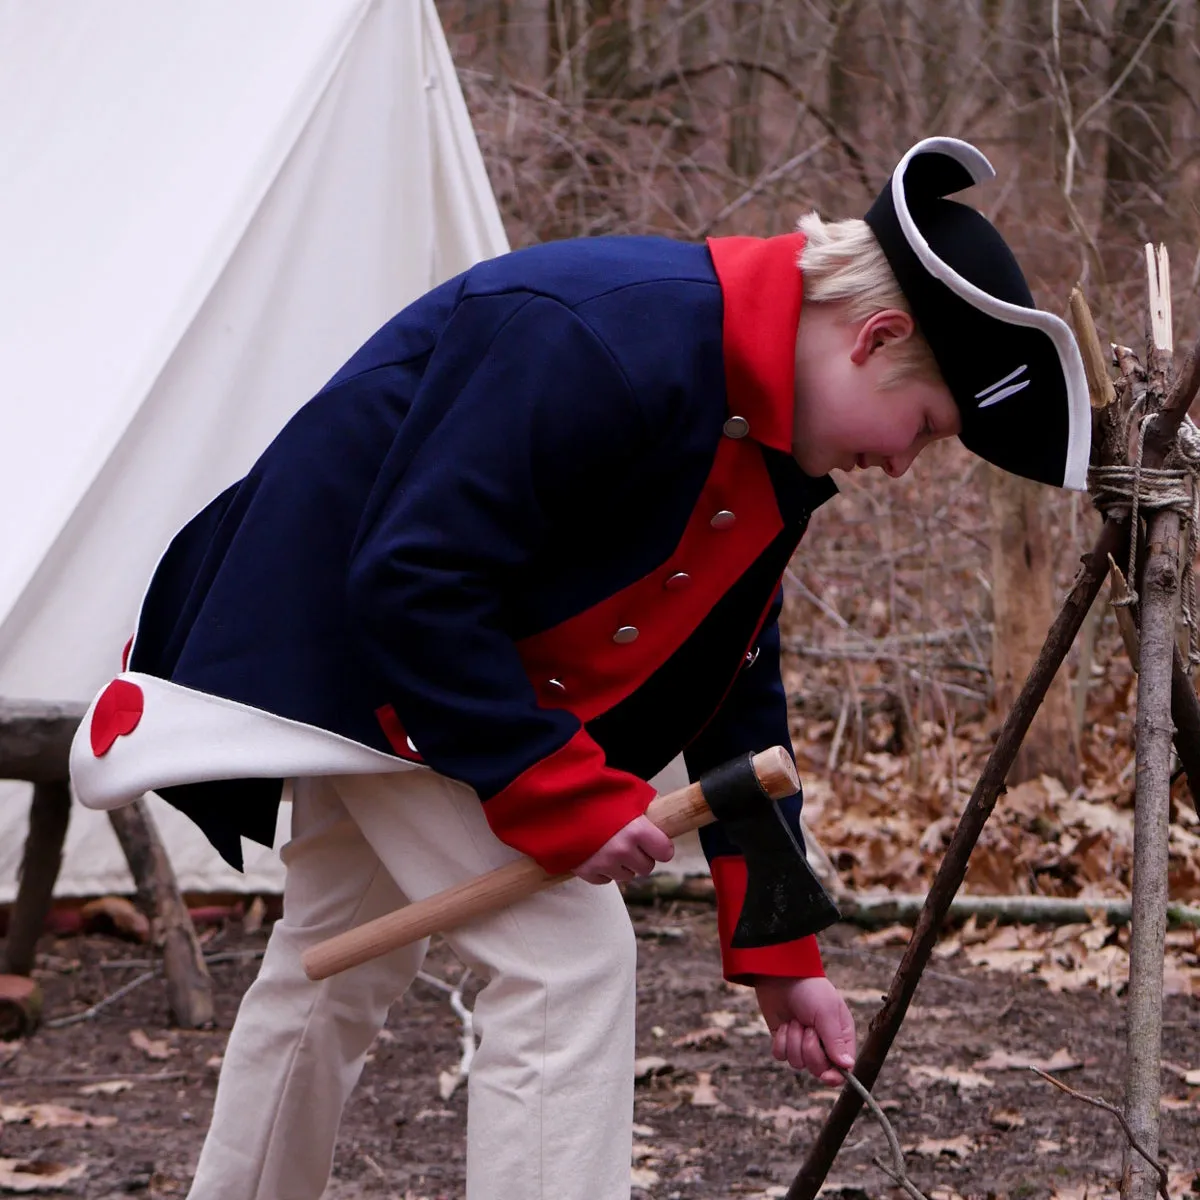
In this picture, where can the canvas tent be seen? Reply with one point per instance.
(205, 209)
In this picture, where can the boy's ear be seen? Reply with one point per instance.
(887, 325)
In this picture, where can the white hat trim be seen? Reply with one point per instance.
(186, 736)
(1079, 405)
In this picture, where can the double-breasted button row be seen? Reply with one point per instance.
(735, 427)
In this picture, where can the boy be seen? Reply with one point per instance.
(521, 551)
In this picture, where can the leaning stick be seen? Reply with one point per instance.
(676, 813)
(953, 868)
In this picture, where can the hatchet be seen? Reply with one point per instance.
(784, 899)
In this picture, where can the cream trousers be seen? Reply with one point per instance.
(550, 1092)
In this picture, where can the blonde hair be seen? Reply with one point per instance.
(843, 263)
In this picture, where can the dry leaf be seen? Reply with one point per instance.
(956, 1147)
(702, 1039)
(1046, 1146)
(784, 1117)
(117, 915)
(919, 1012)
(21, 1175)
(757, 1026)
(963, 1080)
(109, 1087)
(1192, 1078)
(51, 1116)
(642, 1178)
(448, 1082)
(252, 922)
(1175, 1103)
(1002, 1060)
(863, 996)
(643, 1068)
(893, 935)
(704, 1095)
(157, 1048)
(1006, 1118)
(722, 1018)
(644, 1131)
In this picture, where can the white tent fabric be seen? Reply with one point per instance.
(206, 209)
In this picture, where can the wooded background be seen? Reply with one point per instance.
(691, 117)
(914, 608)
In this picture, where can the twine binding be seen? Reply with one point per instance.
(1122, 491)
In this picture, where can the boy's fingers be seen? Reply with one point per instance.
(795, 1045)
(652, 841)
(836, 1031)
(815, 1060)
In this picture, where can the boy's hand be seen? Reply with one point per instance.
(630, 852)
(811, 1027)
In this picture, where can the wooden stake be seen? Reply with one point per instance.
(189, 987)
(49, 814)
(1159, 607)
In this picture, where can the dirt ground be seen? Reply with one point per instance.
(716, 1117)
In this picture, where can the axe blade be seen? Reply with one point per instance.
(784, 898)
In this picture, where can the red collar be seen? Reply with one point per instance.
(762, 287)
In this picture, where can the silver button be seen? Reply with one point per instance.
(677, 581)
(625, 635)
(752, 656)
(411, 746)
(557, 685)
(723, 520)
(737, 427)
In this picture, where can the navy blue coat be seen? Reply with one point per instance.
(531, 535)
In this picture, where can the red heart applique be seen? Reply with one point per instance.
(117, 713)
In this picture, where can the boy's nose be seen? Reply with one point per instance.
(896, 465)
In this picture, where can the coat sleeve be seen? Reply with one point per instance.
(521, 414)
(752, 717)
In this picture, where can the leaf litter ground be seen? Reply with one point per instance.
(887, 630)
(117, 1106)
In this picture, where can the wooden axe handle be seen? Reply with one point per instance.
(674, 814)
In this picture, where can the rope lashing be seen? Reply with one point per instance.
(1124, 491)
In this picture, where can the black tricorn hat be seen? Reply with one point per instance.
(1014, 371)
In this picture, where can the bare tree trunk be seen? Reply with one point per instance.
(1023, 602)
(745, 117)
(847, 73)
(527, 41)
(1138, 176)
(606, 61)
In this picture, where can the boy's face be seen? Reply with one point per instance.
(844, 418)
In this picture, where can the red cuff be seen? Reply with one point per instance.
(799, 959)
(564, 808)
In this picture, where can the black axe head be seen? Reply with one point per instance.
(784, 899)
